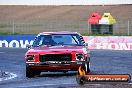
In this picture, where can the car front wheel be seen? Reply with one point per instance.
(86, 66)
(29, 72)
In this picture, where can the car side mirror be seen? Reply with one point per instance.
(28, 46)
(86, 44)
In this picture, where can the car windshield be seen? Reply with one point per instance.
(58, 39)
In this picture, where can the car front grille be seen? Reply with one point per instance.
(55, 57)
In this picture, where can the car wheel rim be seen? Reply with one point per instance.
(89, 65)
(86, 66)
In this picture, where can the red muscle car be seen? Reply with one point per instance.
(57, 51)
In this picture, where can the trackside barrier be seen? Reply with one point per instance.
(94, 42)
(16, 41)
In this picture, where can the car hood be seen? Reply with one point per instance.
(51, 49)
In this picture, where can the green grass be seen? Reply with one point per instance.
(5, 25)
(82, 33)
(87, 34)
(9, 33)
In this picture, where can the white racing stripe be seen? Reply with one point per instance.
(11, 76)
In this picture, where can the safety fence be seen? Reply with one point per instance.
(34, 27)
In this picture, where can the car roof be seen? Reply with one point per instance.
(62, 32)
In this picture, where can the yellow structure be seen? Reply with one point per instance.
(107, 19)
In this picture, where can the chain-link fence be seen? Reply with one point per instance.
(33, 27)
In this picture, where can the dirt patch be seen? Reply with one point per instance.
(75, 13)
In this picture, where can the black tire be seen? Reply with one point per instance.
(29, 72)
(86, 66)
(65, 72)
(80, 80)
(37, 72)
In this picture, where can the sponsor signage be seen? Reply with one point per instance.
(83, 77)
(94, 42)
(109, 42)
(94, 78)
(16, 41)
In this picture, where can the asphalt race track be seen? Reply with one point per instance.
(102, 61)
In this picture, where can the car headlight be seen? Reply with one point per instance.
(29, 57)
(79, 57)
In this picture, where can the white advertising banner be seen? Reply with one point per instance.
(109, 42)
(94, 42)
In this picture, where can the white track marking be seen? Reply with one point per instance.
(11, 76)
(56, 85)
(2, 52)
